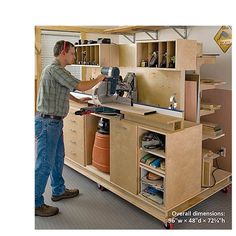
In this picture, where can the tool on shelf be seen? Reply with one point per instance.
(173, 102)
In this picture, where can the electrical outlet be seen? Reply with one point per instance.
(223, 151)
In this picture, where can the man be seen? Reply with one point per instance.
(53, 105)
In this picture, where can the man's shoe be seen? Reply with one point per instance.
(69, 193)
(46, 210)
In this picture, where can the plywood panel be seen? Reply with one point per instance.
(104, 54)
(123, 155)
(183, 152)
(155, 87)
(114, 55)
(190, 111)
(186, 49)
(127, 55)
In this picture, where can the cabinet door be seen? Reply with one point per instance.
(74, 137)
(123, 155)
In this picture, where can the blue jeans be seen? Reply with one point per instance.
(50, 157)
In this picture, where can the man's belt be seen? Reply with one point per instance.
(52, 117)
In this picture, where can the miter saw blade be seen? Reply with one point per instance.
(100, 94)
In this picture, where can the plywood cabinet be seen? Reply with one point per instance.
(181, 157)
(123, 154)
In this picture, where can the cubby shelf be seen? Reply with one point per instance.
(94, 55)
(177, 54)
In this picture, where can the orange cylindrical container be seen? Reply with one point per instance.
(101, 152)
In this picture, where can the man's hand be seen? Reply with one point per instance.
(85, 99)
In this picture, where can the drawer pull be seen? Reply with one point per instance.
(73, 142)
(73, 153)
(73, 130)
(73, 121)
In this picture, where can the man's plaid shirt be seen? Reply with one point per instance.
(54, 90)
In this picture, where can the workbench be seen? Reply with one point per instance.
(182, 157)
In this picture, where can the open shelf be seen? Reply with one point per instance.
(208, 108)
(165, 55)
(156, 152)
(204, 112)
(87, 54)
(152, 189)
(94, 55)
(207, 136)
(157, 171)
(156, 54)
(211, 131)
(209, 83)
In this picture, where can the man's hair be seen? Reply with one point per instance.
(60, 46)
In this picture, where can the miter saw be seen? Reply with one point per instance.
(113, 89)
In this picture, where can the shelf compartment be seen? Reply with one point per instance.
(153, 190)
(162, 55)
(148, 137)
(170, 53)
(142, 54)
(152, 47)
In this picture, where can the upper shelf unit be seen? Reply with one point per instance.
(177, 54)
(97, 55)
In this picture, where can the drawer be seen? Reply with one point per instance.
(74, 149)
(73, 133)
(74, 121)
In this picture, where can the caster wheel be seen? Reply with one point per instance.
(169, 225)
(101, 187)
(226, 189)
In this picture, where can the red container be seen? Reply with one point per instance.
(101, 152)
